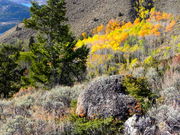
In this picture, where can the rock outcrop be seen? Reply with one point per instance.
(137, 125)
(105, 97)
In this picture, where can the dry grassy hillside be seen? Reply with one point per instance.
(16, 33)
(84, 15)
(169, 6)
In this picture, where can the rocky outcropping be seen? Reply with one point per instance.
(137, 125)
(105, 97)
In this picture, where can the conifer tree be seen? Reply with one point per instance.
(54, 59)
(10, 71)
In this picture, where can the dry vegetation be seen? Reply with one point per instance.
(146, 52)
(142, 49)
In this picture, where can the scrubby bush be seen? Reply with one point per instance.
(155, 78)
(19, 125)
(108, 126)
(170, 95)
(139, 88)
(60, 96)
(139, 72)
(22, 105)
(24, 126)
(166, 111)
(33, 111)
(167, 118)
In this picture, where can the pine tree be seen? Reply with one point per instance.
(54, 59)
(10, 71)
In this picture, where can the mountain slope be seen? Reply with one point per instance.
(18, 32)
(11, 14)
(26, 2)
(84, 15)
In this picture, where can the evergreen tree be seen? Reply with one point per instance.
(50, 20)
(10, 72)
(54, 59)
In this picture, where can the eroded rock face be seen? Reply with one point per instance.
(137, 125)
(105, 97)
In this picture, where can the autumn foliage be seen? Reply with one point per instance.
(119, 46)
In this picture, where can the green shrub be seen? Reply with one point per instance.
(84, 126)
(10, 71)
(140, 90)
(137, 87)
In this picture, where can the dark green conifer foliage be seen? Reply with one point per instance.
(54, 60)
(10, 72)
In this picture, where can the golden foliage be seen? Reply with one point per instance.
(124, 39)
(170, 26)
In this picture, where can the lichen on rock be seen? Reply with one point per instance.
(105, 97)
(140, 125)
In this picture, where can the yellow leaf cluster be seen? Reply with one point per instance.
(116, 36)
(170, 26)
(159, 16)
(149, 60)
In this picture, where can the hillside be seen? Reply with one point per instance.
(120, 75)
(18, 32)
(28, 2)
(85, 15)
(11, 14)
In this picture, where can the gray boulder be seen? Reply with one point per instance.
(137, 125)
(105, 97)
